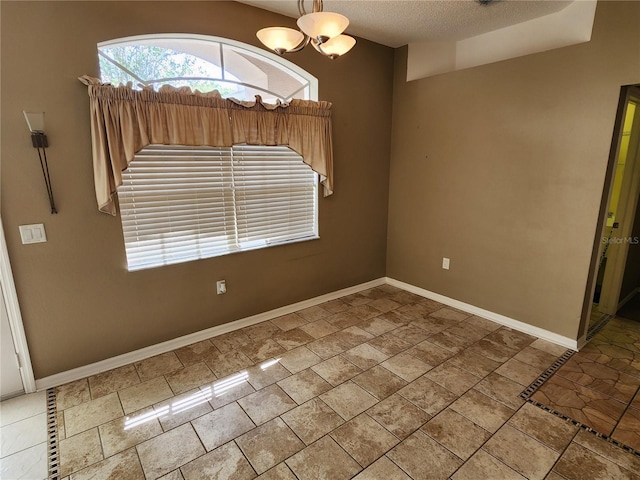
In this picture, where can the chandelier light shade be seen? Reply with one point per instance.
(322, 29)
(323, 26)
(280, 39)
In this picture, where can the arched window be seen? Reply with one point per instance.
(204, 63)
(182, 203)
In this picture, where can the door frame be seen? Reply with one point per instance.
(15, 317)
(626, 92)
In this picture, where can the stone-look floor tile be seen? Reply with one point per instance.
(475, 364)
(266, 373)
(383, 468)
(449, 341)
(519, 372)
(319, 329)
(79, 451)
(327, 347)
(452, 378)
(398, 415)
(492, 350)
(635, 403)
(600, 377)
(113, 380)
(484, 466)
(183, 408)
(228, 389)
(406, 366)
(379, 382)
(470, 332)
(230, 342)
(222, 425)
(311, 420)
(304, 386)
(483, 323)
(396, 317)
(336, 370)
(227, 363)
(414, 308)
(159, 365)
(144, 394)
(289, 322)
(175, 475)
(190, 377)
(548, 347)
(628, 429)
(266, 404)
(335, 306)
(364, 439)
(531, 458)
(261, 350)
(292, 338)
(91, 414)
(223, 463)
(579, 462)
(384, 305)
(410, 455)
(196, 352)
(365, 356)
(269, 444)
(582, 404)
(348, 400)
(299, 359)
(432, 325)
(376, 326)
(450, 314)
(123, 466)
(20, 435)
(60, 425)
(314, 313)
(502, 389)
(171, 450)
(343, 320)
(353, 336)
(457, 433)
(126, 432)
(482, 410)
(428, 395)
(620, 457)
(311, 463)
(430, 353)
(279, 472)
(411, 333)
(390, 344)
(72, 394)
(261, 330)
(538, 359)
(511, 338)
(548, 429)
(364, 312)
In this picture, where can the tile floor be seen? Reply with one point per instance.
(599, 385)
(23, 436)
(382, 384)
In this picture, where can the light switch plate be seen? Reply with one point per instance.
(33, 233)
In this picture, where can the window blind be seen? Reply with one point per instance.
(181, 203)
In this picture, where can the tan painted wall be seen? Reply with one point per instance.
(501, 168)
(79, 303)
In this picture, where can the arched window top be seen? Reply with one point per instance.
(205, 63)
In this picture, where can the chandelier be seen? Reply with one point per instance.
(322, 29)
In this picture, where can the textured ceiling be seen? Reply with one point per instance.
(398, 22)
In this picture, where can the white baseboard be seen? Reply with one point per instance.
(137, 355)
(495, 317)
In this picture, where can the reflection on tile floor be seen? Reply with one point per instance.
(600, 385)
(381, 384)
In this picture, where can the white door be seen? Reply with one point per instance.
(10, 379)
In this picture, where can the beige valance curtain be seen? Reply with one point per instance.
(124, 121)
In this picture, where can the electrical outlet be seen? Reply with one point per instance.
(445, 263)
(221, 287)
